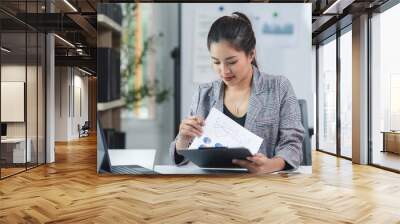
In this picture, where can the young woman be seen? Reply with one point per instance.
(264, 104)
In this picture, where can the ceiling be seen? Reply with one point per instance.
(76, 25)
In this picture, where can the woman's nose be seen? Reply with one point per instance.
(224, 68)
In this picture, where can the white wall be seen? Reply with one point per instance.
(12, 101)
(14, 73)
(61, 103)
(80, 84)
(33, 126)
(68, 82)
(17, 73)
(290, 56)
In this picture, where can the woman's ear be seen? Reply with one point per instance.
(252, 55)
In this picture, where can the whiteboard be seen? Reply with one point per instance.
(280, 30)
(284, 36)
(12, 101)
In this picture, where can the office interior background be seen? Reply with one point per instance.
(48, 81)
(322, 74)
(175, 41)
(53, 90)
(137, 120)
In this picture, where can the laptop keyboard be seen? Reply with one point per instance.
(131, 170)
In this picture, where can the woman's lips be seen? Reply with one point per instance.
(228, 78)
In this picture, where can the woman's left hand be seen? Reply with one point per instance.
(260, 164)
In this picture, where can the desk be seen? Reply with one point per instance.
(391, 141)
(15, 148)
(146, 158)
(193, 169)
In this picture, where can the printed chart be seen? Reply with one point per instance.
(221, 131)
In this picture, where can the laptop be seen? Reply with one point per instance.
(122, 161)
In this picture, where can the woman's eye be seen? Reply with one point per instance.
(229, 63)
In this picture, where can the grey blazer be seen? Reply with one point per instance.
(273, 114)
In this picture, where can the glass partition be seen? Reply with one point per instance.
(31, 98)
(385, 89)
(346, 94)
(22, 88)
(41, 107)
(14, 152)
(327, 96)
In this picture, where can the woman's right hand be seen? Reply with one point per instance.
(188, 129)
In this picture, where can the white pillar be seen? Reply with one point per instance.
(50, 108)
(360, 90)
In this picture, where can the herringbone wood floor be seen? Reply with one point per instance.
(70, 191)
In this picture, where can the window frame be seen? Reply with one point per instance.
(379, 10)
(334, 37)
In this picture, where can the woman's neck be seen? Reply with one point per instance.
(244, 85)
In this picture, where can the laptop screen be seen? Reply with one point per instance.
(101, 147)
(3, 129)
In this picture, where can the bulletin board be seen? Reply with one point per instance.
(12, 101)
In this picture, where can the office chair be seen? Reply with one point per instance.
(307, 159)
(84, 130)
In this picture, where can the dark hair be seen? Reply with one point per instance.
(237, 30)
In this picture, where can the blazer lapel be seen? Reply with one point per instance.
(218, 98)
(255, 104)
(254, 108)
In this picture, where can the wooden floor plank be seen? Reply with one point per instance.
(70, 191)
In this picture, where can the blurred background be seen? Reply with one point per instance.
(161, 52)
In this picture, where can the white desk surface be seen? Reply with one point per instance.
(141, 157)
(193, 169)
(13, 140)
(146, 157)
(19, 152)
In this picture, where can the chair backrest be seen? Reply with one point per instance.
(86, 125)
(307, 159)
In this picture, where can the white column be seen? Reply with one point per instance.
(50, 109)
(360, 90)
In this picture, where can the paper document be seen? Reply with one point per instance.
(221, 131)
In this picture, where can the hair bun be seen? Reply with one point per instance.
(241, 16)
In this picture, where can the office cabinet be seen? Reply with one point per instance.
(391, 142)
(109, 77)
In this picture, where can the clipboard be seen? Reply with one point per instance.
(218, 157)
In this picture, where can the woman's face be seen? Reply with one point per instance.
(231, 65)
